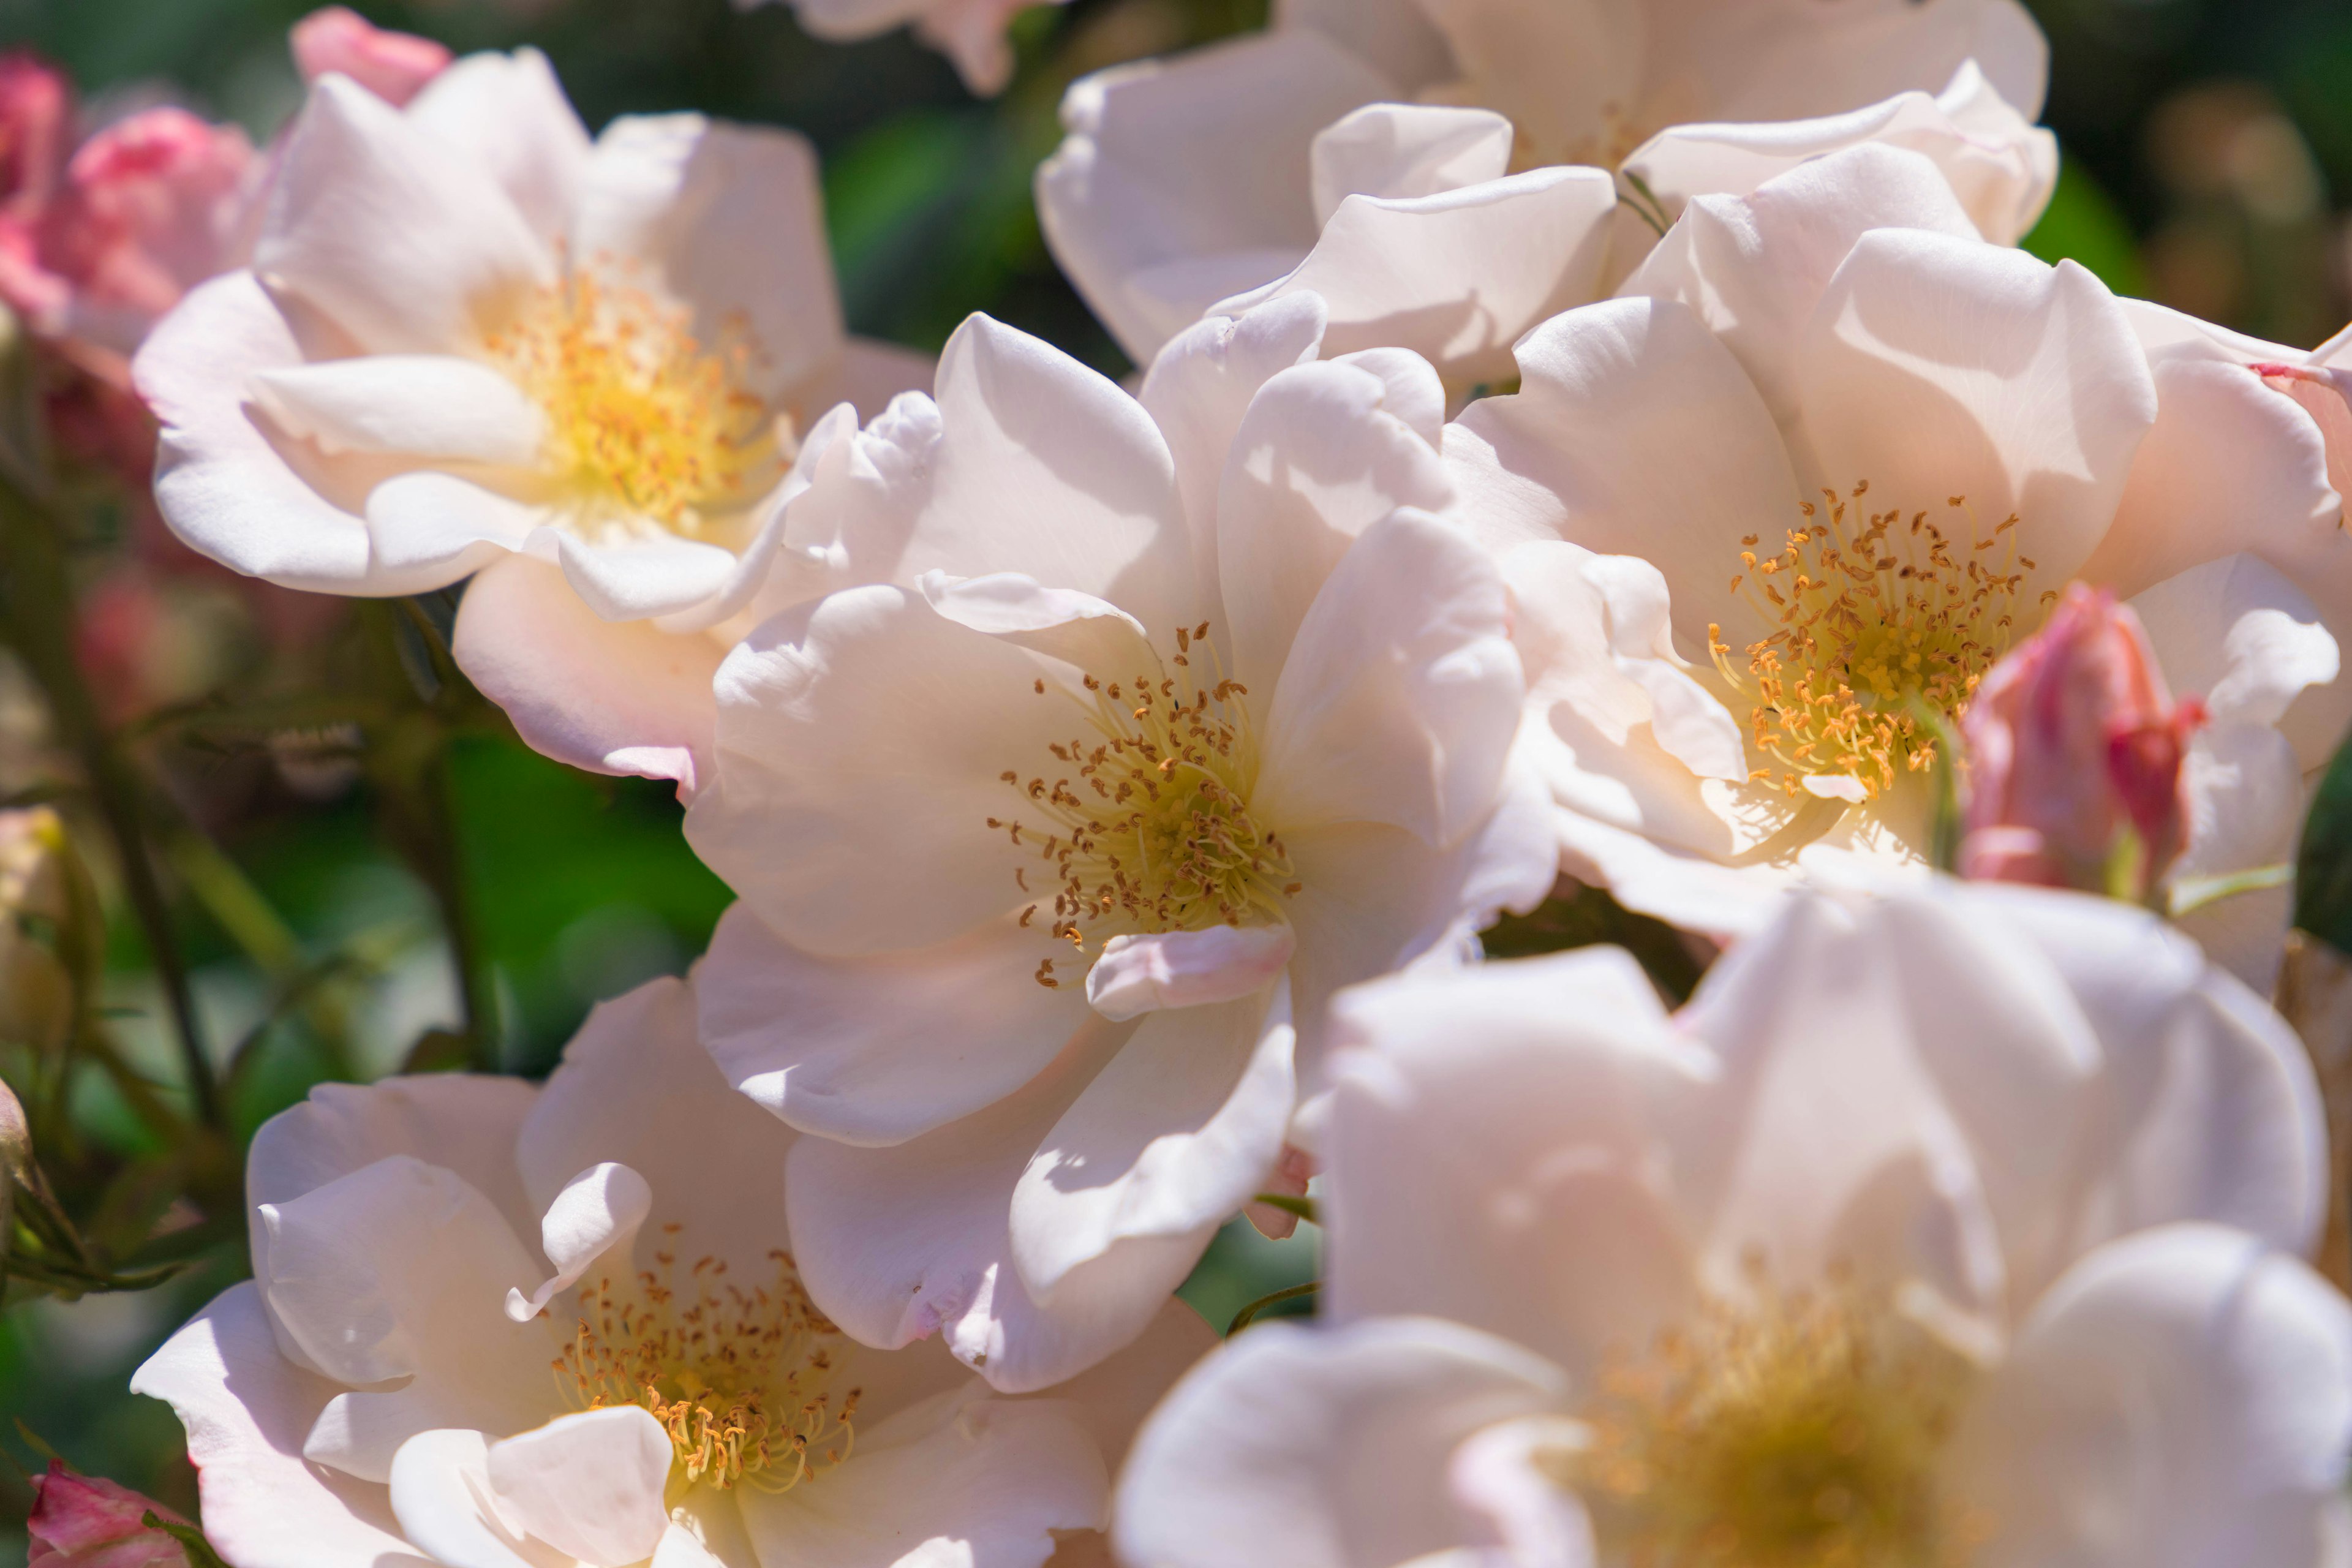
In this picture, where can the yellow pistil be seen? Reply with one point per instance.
(741, 1380)
(1149, 829)
(1870, 621)
(1795, 1430)
(645, 426)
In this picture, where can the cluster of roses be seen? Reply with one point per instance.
(1617, 440)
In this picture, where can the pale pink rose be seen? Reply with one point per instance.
(89, 1521)
(393, 66)
(2072, 741)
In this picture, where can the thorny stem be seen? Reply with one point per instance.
(37, 594)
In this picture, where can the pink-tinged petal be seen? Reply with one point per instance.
(614, 697)
(393, 66)
(440, 1489)
(728, 219)
(1322, 1447)
(598, 1211)
(872, 373)
(1393, 149)
(247, 1410)
(1401, 693)
(1490, 1148)
(1596, 449)
(901, 1243)
(1753, 268)
(880, 1048)
(636, 1089)
(1936, 367)
(1458, 276)
(1188, 162)
(862, 741)
(1319, 458)
(589, 1485)
(671, 579)
(2180, 1397)
(1201, 387)
(1115, 1395)
(1395, 36)
(1142, 973)
(506, 116)
(402, 241)
(1500, 1476)
(983, 1481)
(219, 483)
(1171, 1139)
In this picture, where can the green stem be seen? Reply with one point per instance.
(38, 594)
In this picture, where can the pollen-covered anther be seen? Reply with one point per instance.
(1148, 825)
(1780, 1430)
(742, 1379)
(1882, 613)
(649, 428)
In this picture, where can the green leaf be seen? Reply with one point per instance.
(1248, 1315)
(1588, 917)
(199, 1550)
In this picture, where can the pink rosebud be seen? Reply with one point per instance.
(393, 66)
(35, 133)
(2073, 757)
(89, 1521)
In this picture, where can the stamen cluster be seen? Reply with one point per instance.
(1151, 829)
(1787, 1430)
(644, 422)
(1870, 623)
(741, 1380)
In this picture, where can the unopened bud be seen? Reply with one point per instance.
(393, 66)
(89, 1521)
(2074, 750)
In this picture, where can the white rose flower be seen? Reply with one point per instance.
(404, 1379)
(1813, 473)
(472, 341)
(1955, 1226)
(969, 32)
(1299, 159)
(1160, 721)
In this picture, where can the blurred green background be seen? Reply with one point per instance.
(2208, 147)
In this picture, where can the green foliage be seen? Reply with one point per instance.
(2323, 873)
(2083, 225)
(1588, 917)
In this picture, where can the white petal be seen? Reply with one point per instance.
(245, 1410)
(1490, 1154)
(218, 482)
(401, 1270)
(1937, 367)
(400, 241)
(986, 1486)
(662, 577)
(861, 740)
(1459, 275)
(435, 526)
(880, 1048)
(1395, 36)
(1500, 1476)
(1138, 974)
(899, 1243)
(2182, 1397)
(1173, 1137)
(1115, 1395)
(1406, 150)
(2240, 632)
(1318, 458)
(441, 1494)
(598, 1210)
(1754, 268)
(614, 697)
(589, 1485)
(729, 220)
(1166, 162)
(507, 115)
(1322, 1447)
(636, 1089)
(428, 405)
(1402, 692)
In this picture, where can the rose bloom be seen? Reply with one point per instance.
(969, 32)
(89, 1521)
(1158, 721)
(1448, 174)
(1742, 648)
(473, 341)
(1921, 1236)
(406, 1378)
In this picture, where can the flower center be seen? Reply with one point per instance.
(741, 1380)
(1881, 632)
(647, 428)
(1149, 830)
(1802, 1431)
